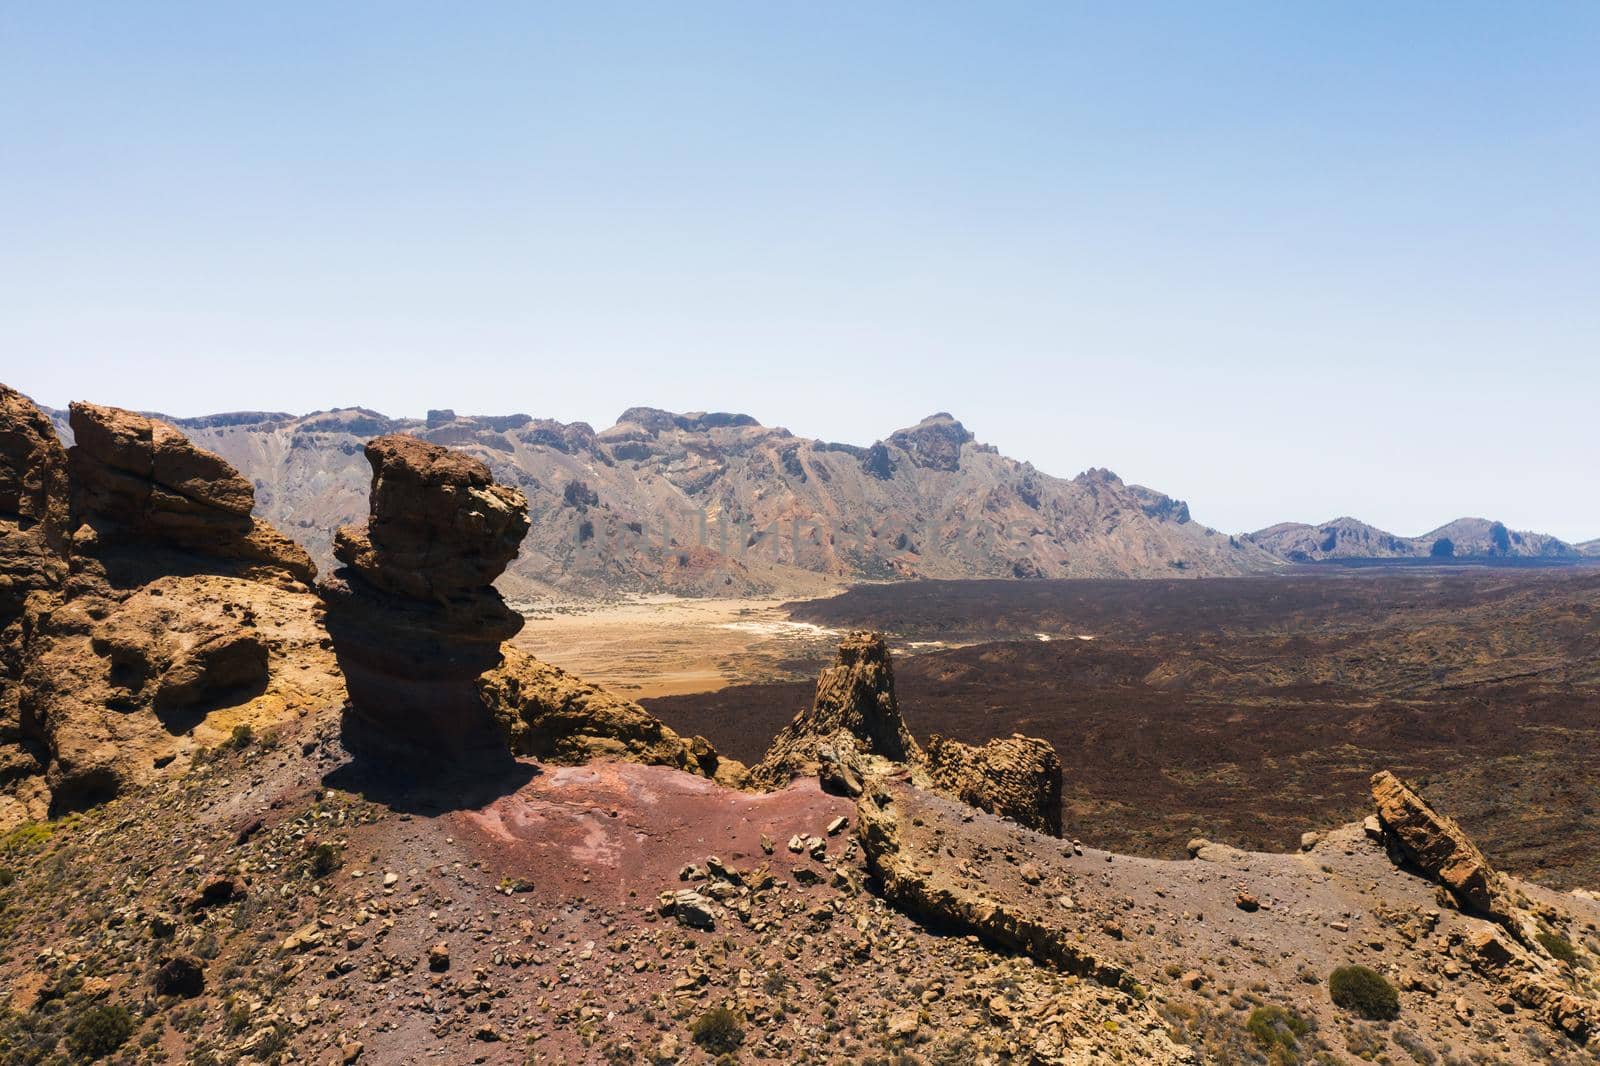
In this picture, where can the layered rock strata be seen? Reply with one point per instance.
(414, 616)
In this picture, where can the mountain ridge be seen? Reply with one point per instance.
(704, 502)
(1350, 538)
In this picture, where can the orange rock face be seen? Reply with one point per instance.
(1438, 847)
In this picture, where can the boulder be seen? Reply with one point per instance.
(1438, 848)
(1016, 777)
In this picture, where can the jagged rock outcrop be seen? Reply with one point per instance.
(557, 717)
(1016, 777)
(154, 598)
(1523, 963)
(440, 529)
(855, 714)
(414, 617)
(138, 481)
(934, 443)
(33, 504)
(854, 731)
(1436, 846)
(34, 531)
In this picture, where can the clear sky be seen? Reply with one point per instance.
(1287, 261)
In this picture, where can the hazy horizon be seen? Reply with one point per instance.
(1286, 264)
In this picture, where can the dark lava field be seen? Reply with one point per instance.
(1249, 710)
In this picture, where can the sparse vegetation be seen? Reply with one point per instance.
(1364, 992)
(323, 859)
(720, 1031)
(1559, 947)
(1277, 1027)
(98, 1031)
(242, 736)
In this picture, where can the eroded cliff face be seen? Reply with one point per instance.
(158, 613)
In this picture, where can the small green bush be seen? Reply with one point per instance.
(242, 736)
(719, 1030)
(324, 859)
(99, 1031)
(1559, 947)
(1275, 1026)
(1365, 992)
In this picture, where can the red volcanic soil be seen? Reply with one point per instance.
(1251, 710)
(616, 831)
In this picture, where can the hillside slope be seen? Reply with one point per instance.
(699, 503)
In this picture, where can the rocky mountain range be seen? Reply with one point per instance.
(717, 502)
(1348, 538)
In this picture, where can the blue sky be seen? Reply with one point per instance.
(1287, 261)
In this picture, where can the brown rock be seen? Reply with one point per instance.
(413, 615)
(1440, 850)
(139, 481)
(33, 503)
(440, 527)
(906, 837)
(855, 698)
(1015, 777)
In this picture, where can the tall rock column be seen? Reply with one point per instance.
(413, 613)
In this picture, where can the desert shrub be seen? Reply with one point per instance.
(323, 859)
(98, 1031)
(26, 1038)
(1365, 992)
(1276, 1027)
(1559, 947)
(719, 1030)
(242, 736)
(8, 877)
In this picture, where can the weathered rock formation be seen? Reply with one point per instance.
(1523, 962)
(33, 504)
(153, 599)
(1437, 847)
(414, 617)
(854, 731)
(557, 717)
(139, 483)
(34, 529)
(1016, 777)
(855, 714)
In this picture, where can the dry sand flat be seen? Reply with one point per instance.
(664, 645)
